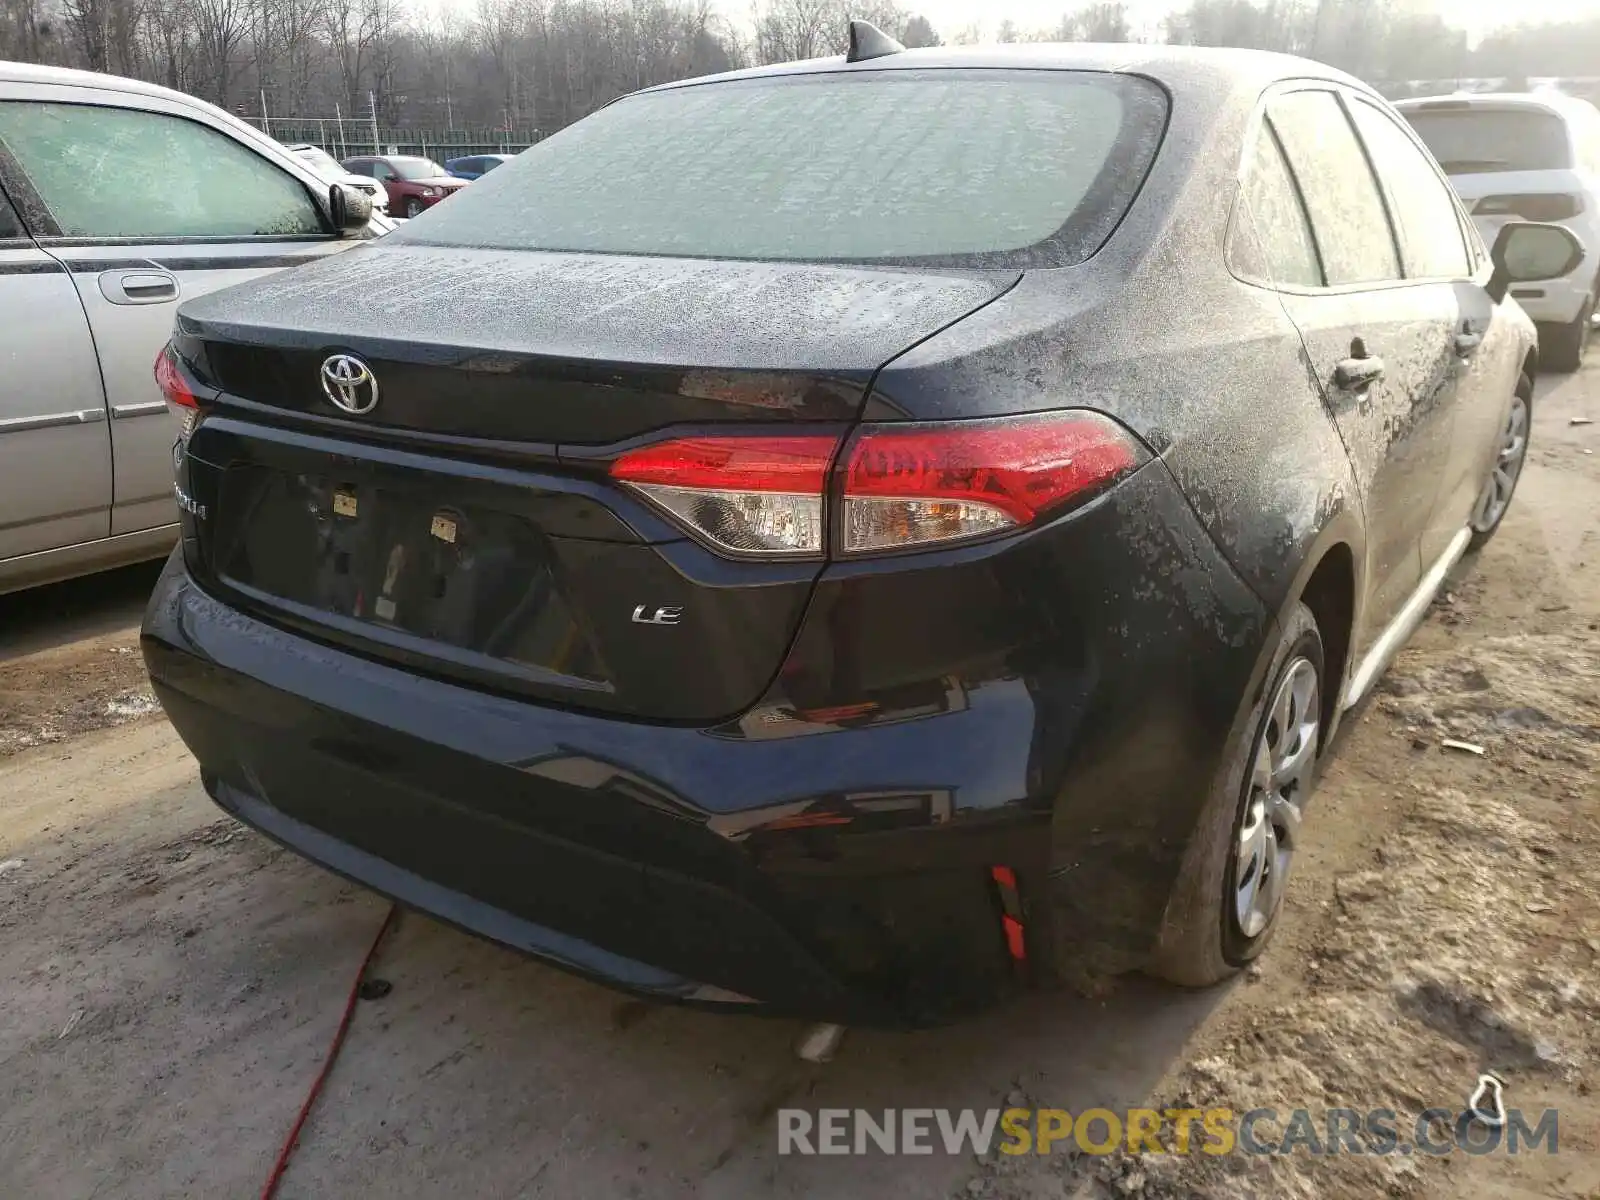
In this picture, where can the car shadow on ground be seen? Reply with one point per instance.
(492, 1067)
(57, 614)
(482, 1072)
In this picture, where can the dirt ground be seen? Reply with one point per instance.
(168, 980)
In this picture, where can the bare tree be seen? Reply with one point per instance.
(1105, 22)
(220, 29)
(526, 64)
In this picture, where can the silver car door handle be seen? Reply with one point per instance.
(138, 287)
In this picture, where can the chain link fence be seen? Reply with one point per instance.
(344, 137)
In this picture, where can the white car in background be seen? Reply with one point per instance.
(1528, 157)
(325, 165)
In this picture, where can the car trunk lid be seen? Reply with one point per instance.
(551, 349)
(466, 525)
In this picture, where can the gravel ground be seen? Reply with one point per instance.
(168, 980)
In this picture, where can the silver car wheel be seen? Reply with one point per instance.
(1496, 495)
(1280, 779)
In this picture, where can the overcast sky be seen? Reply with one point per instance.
(1476, 16)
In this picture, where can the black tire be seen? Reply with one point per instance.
(1202, 941)
(1562, 347)
(413, 206)
(1483, 531)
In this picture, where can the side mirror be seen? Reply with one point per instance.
(349, 208)
(1526, 252)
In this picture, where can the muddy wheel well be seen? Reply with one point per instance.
(1330, 595)
(1530, 364)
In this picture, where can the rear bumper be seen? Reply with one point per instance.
(839, 870)
(543, 830)
(1554, 301)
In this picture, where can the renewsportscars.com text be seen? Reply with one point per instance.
(1215, 1131)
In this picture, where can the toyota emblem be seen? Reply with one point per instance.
(349, 384)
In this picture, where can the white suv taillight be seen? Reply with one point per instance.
(902, 485)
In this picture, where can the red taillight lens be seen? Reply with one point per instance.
(1536, 206)
(171, 382)
(915, 484)
(904, 485)
(746, 495)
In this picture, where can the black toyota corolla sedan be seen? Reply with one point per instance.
(852, 538)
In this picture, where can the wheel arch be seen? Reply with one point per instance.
(1329, 582)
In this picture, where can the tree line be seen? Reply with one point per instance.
(540, 64)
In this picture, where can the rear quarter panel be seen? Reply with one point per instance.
(1156, 331)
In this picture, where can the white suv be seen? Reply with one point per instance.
(1531, 157)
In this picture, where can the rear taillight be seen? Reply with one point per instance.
(746, 495)
(901, 486)
(910, 485)
(175, 390)
(1535, 206)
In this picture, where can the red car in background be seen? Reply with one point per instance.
(413, 183)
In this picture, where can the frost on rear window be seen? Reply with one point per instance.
(1470, 141)
(1341, 195)
(972, 167)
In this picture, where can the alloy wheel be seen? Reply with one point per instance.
(1280, 780)
(1496, 495)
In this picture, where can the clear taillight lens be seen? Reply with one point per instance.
(912, 485)
(745, 495)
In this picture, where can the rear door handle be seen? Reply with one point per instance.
(1467, 343)
(139, 287)
(1358, 374)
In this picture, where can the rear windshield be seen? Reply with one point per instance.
(1484, 140)
(954, 167)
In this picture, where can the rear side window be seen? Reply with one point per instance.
(118, 172)
(1342, 197)
(1421, 204)
(969, 167)
(1469, 140)
(1279, 218)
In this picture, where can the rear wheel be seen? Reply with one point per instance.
(1563, 347)
(1225, 906)
(1495, 498)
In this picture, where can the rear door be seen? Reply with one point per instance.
(1435, 249)
(146, 202)
(1381, 345)
(55, 456)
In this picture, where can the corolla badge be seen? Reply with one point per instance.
(349, 384)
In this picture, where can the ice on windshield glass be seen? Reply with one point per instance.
(417, 168)
(883, 166)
